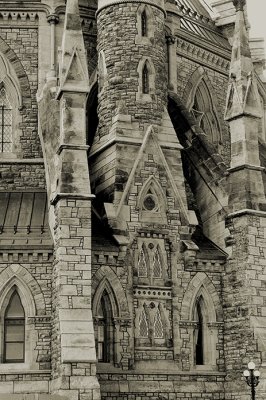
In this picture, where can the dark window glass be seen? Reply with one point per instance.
(199, 342)
(14, 335)
(105, 330)
(144, 30)
(5, 123)
(145, 80)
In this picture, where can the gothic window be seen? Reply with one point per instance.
(144, 21)
(143, 324)
(6, 122)
(14, 331)
(158, 326)
(105, 330)
(199, 351)
(145, 80)
(142, 264)
(157, 266)
(205, 113)
(262, 121)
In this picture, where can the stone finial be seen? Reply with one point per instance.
(243, 97)
(73, 68)
(239, 4)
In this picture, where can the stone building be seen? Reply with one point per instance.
(132, 200)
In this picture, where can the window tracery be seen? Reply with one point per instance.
(142, 264)
(205, 113)
(157, 264)
(158, 325)
(143, 324)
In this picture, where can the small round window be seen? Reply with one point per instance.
(150, 203)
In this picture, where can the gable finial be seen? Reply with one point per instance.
(239, 4)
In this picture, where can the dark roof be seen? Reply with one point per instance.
(197, 20)
(207, 249)
(23, 219)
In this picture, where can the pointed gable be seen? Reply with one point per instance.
(73, 69)
(243, 97)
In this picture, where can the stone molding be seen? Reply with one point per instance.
(107, 3)
(150, 292)
(207, 57)
(25, 255)
(23, 16)
(71, 196)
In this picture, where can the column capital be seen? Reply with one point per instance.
(170, 39)
(53, 19)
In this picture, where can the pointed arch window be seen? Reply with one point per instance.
(157, 265)
(143, 324)
(142, 264)
(5, 122)
(199, 350)
(158, 326)
(14, 331)
(145, 80)
(144, 23)
(105, 329)
(205, 113)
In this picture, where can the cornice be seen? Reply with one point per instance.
(15, 8)
(203, 53)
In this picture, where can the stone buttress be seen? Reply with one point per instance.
(63, 135)
(244, 298)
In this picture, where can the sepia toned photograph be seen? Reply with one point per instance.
(132, 200)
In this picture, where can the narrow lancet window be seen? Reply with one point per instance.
(145, 80)
(199, 337)
(6, 122)
(14, 331)
(105, 330)
(144, 25)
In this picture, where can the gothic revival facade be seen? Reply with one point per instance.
(132, 200)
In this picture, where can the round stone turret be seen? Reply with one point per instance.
(132, 61)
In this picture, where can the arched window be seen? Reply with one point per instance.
(14, 331)
(205, 113)
(142, 264)
(105, 330)
(144, 22)
(199, 351)
(5, 122)
(145, 80)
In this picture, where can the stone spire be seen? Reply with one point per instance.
(243, 111)
(73, 71)
(243, 97)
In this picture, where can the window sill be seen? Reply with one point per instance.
(14, 369)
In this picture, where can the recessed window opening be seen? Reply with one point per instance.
(144, 24)
(145, 80)
(200, 334)
(14, 331)
(105, 328)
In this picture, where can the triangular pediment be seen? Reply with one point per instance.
(149, 156)
(75, 74)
